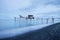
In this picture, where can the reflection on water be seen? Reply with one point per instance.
(11, 23)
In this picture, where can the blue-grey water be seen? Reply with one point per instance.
(18, 23)
(6, 24)
(11, 23)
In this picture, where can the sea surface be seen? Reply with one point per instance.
(6, 24)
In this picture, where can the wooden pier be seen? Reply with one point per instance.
(38, 20)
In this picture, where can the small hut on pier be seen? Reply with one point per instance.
(30, 17)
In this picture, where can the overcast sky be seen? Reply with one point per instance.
(11, 8)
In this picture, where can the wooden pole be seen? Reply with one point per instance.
(52, 20)
(47, 20)
(15, 19)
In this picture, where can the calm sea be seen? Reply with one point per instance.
(6, 24)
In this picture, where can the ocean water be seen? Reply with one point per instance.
(6, 24)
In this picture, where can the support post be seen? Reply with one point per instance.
(47, 20)
(52, 20)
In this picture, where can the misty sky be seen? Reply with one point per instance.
(11, 8)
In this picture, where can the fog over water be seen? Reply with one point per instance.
(39, 8)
